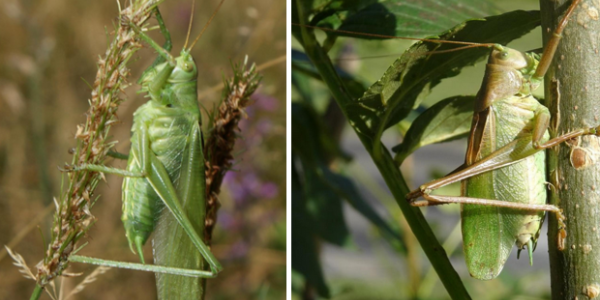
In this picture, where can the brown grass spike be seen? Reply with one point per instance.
(221, 139)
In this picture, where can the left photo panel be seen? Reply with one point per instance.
(143, 149)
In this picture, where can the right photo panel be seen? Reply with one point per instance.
(445, 149)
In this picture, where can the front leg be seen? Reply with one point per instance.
(166, 46)
(102, 169)
(161, 51)
(165, 32)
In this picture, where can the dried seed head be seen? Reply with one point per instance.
(222, 136)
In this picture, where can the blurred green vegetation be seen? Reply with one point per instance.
(49, 51)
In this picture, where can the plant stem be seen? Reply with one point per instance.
(384, 162)
(571, 91)
(37, 292)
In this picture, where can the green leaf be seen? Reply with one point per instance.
(301, 63)
(445, 121)
(390, 99)
(325, 205)
(308, 136)
(324, 188)
(305, 255)
(301, 87)
(408, 18)
(346, 189)
(322, 203)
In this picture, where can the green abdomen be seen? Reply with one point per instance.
(489, 232)
(168, 141)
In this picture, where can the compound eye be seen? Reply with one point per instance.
(187, 67)
(503, 55)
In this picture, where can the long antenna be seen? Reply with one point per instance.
(471, 44)
(206, 25)
(187, 38)
(542, 68)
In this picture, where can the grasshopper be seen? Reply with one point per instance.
(166, 168)
(503, 178)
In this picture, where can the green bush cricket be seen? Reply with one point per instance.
(504, 161)
(166, 168)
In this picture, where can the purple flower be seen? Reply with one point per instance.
(226, 220)
(266, 102)
(239, 250)
(264, 126)
(268, 190)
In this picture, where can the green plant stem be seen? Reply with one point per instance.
(384, 162)
(572, 94)
(37, 292)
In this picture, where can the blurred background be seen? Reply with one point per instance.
(48, 53)
(361, 262)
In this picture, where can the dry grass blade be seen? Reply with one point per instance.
(73, 218)
(52, 294)
(23, 232)
(87, 280)
(222, 136)
(266, 65)
(19, 261)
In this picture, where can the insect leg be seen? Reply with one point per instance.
(438, 200)
(509, 154)
(167, 45)
(191, 193)
(161, 51)
(102, 169)
(159, 179)
(141, 267)
(142, 140)
(567, 136)
(541, 124)
(432, 200)
(162, 185)
(548, 54)
(165, 32)
(118, 155)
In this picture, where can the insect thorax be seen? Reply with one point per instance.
(523, 64)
